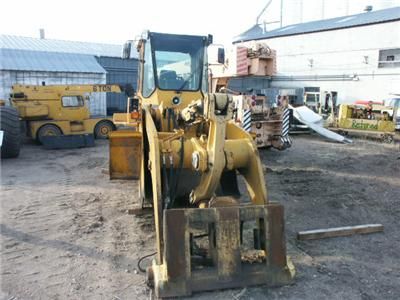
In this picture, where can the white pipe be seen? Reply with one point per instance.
(262, 11)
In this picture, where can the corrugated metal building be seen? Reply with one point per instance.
(358, 56)
(25, 60)
(118, 72)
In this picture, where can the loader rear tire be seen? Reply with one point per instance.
(102, 129)
(11, 132)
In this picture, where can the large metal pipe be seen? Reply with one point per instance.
(262, 11)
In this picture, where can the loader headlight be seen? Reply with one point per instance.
(176, 100)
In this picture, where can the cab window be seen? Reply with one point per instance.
(148, 84)
(72, 101)
(178, 62)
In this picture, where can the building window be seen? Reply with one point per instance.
(389, 58)
(72, 101)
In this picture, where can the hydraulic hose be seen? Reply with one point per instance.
(165, 197)
(178, 173)
(171, 179)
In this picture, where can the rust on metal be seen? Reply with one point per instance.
(174, 235)
(228, 242)
(224, 263)
(276, 236)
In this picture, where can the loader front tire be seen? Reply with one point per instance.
(11, 132)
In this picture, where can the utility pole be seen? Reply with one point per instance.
(301, 11)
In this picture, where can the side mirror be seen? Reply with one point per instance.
(209, 39)
(126, 51)
(221, 55)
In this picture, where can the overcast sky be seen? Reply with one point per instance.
(115, 21)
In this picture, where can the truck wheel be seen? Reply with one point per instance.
(11, 132)
(387, 138)
(48, 130)
(102, 129)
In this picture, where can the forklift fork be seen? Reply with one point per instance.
(222, 261)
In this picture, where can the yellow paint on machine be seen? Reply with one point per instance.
(372, 125)
(64, 107)
(125, 154)
(187, 152)
(347, 122)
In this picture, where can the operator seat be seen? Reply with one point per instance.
(169, 80)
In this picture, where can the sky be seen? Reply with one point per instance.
(119, 20)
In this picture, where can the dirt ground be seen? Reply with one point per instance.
(66, 234)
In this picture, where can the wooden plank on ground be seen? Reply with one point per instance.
(338, 231)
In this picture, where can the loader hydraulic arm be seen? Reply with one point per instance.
(228, 148)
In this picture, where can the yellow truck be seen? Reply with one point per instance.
(55, 110)
(375, 121)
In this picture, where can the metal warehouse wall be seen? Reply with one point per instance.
(119, 71)
(243, 84)
(345, 61)
(98, 100)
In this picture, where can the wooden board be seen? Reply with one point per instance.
(338, 231)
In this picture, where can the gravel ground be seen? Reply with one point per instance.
(66, 234)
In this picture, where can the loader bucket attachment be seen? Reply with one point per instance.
(205, 249)
(125, 154)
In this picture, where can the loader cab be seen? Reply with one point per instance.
(173, 68)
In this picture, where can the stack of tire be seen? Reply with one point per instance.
(9, 124)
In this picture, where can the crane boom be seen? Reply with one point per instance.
(39, 92)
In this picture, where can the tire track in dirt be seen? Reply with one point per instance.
(37, 219)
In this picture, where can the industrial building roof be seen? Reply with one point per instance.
(33, 54)
(28, 60)
(51, 45)
(368, 18)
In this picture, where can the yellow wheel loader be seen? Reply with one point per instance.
(188, 152)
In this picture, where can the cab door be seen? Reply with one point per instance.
(73, 108)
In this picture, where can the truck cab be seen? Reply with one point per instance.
(56, 110)
(323, 103)
(394, 102)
